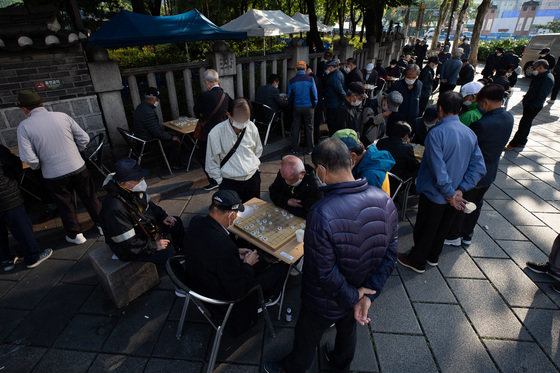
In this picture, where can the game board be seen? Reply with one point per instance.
(270, 224)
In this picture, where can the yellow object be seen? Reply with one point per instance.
(386, 187)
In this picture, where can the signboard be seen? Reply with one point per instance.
(48, 84)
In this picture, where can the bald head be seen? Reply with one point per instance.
(292, 169)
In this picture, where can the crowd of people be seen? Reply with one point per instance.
(373, 116)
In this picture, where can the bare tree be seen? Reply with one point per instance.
(460, 22)
(475, 40)
(341, 17)
(406, 22)
(313, 37)
(444, 7)
(453, 7)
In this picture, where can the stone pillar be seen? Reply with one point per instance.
(343, 49)
(107, 84)
(298, 52)
(223, 61)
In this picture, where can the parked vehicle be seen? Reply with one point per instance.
(536, 44)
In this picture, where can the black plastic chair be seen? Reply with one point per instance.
(404, 186)
(93, 153)
(138, 147)
(175, 267)
(264, 116)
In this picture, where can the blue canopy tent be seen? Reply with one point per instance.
(128, 29)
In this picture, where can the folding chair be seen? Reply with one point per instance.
(138, 147)
(404, 186)
(93, 153)
(264, 116)
(175, 267)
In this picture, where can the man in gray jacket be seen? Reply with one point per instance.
(450, 71)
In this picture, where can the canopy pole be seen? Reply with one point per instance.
(187, 49)
(247, 40)
(264, 45)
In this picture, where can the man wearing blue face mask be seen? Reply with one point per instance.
(232, 155)
(136, 228)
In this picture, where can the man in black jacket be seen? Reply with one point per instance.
(146, 126)
(545, 55)
(466, 74)
(353, 74)
(269, 95)
(211, 107)
(346, 115)
(295, 188)
(410, 88)
(14, 218)
(427, 79)
(533, 102)
(216, 267)
(556, 87)
(493, 61)
(135, 228)
(492, 131)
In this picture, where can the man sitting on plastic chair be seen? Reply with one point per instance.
(219, 269)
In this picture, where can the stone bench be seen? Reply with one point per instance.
(123, 281)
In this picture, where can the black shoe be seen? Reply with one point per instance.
(543, 268)
(46, 254)
(404, 261)
(556, 287)
(211, 186)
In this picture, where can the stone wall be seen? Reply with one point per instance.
(84, 110)
(56, 74)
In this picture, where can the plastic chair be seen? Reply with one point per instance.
(93, 153)
(138, 147)
(264, 116)
(175, 267)
(404, 185)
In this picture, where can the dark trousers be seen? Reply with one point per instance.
(444, 87)
(246, 189)
(303, 116)
(309, 330)
(554, 257)
(529, 113)
(271, 278)
(331, 122)
(19, 224)
(555, 87)
(176, 235)
(433, 222)
(61, 189)
(463, 225)
(422, 105)
(172, 151)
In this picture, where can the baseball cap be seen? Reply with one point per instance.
(348, 137)
(331, 63)
(127, 169)
(151, 92)
(228, 200)
(545, 50)
(369, 67)
(394, 100)
(430, 114)
(471, 88)
(28, 98)
(356, 88)
(301, 65)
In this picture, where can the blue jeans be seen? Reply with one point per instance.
(19, 224)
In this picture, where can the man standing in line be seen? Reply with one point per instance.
(302, 93)
(334, 93)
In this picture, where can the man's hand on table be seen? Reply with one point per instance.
(292, 202)
(170, 221)
(251, 258)
(243, 252)
(457, 200)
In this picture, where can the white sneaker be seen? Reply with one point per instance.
(80, 239)
(455, 242)
(100, 230)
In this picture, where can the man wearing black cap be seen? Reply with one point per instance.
(52, 141)
(427, 78)
(146, 126)
(424, 124)
(347, 112)
(545, 55)
(136, 228)
(218, 268)
(334, 92)
(466, 74)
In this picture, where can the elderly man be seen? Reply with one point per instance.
(493, 62)
(347, 114)
(471, 112)
(295, 188)
(146, 126)
(269, 95)
(334, 93)
(218, 268)
(353, 74)
(374, 127)
(52, 141)
(302, 93)
(551, 267)
(234, 148)
(211, 108)
(450, 72)
(533, 102)
(452, 164)
(466, 74)
(350, 247)
(410, 88)
(427, 79)
(370, 75)
(135, 227)
(424, 124)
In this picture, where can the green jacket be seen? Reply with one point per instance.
(472, 115)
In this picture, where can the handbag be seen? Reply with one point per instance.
(197, 134)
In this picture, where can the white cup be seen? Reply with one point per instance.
(469, 207)
(299, 235)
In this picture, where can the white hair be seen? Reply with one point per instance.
(295, 163)
(211, 76)
(459, 52)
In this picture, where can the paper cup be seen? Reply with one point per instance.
(469, 207)
(299, 235)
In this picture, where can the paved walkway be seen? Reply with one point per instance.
(480, 310)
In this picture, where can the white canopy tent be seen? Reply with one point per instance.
(304, 18)
(265, 23)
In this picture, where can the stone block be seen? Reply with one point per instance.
(94, 122)
(62, 361)
(14, 117)
(81, 107)
(123, 281)
(94, 105)
(10, 138)
(514, 356)
(63, 107)
(413, 353)
(544, 325)
(117, 364)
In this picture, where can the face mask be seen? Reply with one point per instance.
(428, 126)
(499, 54)
(156, 104)
(346, 69)
(393, 65)
(240, 125)
(467, 102)
(508, 75)
(535, 73)
(357, 103)
(385, 107)
(410, 81)
(327, 72)
(322, 183)
(296, 183)
(233, 221)
(542, 55)
(140, 187)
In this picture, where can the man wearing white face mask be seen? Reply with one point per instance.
(232, 155)
(410, 88)
(347, 113)
(353, 74)
(136, 228)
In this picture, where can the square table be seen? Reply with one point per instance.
(185, 127)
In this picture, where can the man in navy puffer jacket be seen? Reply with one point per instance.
(350, 251)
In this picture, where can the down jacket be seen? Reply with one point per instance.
(350, 242)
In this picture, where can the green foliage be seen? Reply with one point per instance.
(552, 26)
(487, 47)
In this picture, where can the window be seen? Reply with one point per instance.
(489, 25)
(528, 24)
(519, 24)
(533, 8)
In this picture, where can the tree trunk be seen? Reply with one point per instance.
(352, 19)
(475, 40)
(460, 21)
(406, 22)
(453, 7)
(373, 19)
(420, 19)
(155, 7)
(441, 17)
(313, 38)
(341, 17)
(138, 6)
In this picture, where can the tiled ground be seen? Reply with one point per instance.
(479, 311)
